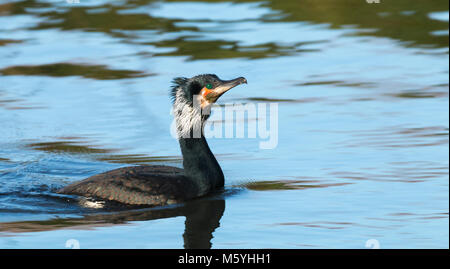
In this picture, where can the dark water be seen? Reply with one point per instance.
(363, 129)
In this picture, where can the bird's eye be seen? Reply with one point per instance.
(209, 86)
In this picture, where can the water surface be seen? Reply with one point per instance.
(363, 129)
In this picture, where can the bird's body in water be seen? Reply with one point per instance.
(162, 185)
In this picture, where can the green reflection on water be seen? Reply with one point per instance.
(67, 69)
(287, 185)
(67, 146)
(220, 49)
(387, 19)
(4, 42)
(76, 146)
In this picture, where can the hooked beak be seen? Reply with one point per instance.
(224, 86)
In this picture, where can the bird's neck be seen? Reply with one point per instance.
(199, 163)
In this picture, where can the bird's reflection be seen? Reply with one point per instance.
(202, 218)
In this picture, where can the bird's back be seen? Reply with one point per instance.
(137, 185)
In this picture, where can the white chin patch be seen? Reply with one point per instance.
(188, 117)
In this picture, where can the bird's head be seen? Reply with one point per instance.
(193, 96)
(206, 88)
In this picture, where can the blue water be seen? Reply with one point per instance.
(363, 128)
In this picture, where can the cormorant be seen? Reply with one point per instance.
(152, 185)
